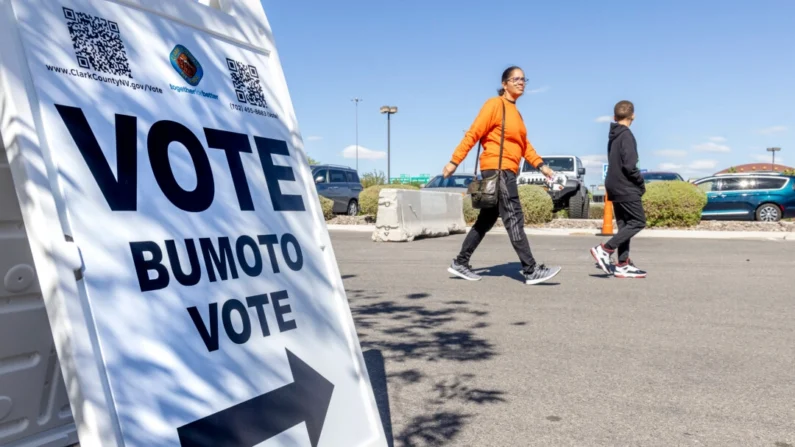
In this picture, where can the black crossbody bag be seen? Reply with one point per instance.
(485, 192)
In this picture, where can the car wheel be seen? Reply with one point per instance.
(577, 206)
(768, 212)
(353, 208)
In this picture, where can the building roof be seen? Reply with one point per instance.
(757, 167)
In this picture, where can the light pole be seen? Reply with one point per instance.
(356, 101)
(773, 150)
(389, 111)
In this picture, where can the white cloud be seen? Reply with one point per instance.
(773, 129)
(671, 153)
(364, 153)
(703, 165)
(313, 138)
(711, 147)
(604, 119)
(669, 167)
(717, 139)
(538, 90)
(593, 161)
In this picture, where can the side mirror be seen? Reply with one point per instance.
(581, 171)
(320, 179)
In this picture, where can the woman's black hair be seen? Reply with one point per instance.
(505, 75)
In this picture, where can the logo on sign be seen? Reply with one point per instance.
(186, 65)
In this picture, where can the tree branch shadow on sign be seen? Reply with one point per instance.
(180, 354)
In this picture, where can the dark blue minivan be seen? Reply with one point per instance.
(766, 197)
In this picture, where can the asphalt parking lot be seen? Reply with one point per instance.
(700, 353)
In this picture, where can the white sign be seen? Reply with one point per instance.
(604, 171)
(210, 310)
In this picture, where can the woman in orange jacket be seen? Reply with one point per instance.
(487, 129)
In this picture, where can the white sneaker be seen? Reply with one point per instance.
(602, 257)
(628, 270)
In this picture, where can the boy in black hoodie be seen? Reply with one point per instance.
(625, 187)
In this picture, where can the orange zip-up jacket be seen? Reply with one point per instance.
(486, 129)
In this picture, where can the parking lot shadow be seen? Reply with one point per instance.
(511, 270)
(403, 336)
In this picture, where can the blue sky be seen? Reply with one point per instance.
(712, 88)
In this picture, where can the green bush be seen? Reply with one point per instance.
(327, 205)
(470, 214)
(373, 178)
(368, 199)
(673, 204)
(597, 211)
(536, 204)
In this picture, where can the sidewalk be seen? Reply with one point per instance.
(648, 233)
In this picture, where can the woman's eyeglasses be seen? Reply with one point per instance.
(516, 80)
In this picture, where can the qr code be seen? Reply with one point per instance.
(97, 43)
(245, 80)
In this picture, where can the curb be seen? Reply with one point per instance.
(675, 234)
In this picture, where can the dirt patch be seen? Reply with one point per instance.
(352, 220)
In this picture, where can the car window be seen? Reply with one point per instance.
(560, 164)
(657, 176)
(770, 183)
(435, 182)
(729, 184)
(352, 177)
(321, 173)
(457, 182)
(336, 176)
(706, 186)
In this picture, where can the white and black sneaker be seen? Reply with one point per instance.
(602, 258)
(628, 270)
(540, 274)
(463, 271)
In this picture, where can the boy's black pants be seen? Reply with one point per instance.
(631, 219)
(510, 209)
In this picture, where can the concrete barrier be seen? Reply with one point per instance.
(404, 215)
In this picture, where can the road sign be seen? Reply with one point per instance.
(190, 283)
(604, 171)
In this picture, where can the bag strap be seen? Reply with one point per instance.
(502, 133)
(502, 142)
(477, 159)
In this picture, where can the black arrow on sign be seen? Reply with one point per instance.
(258, 419)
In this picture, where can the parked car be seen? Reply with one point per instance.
(573, 197)
(454, 183)
(766, 197)
(340, 184)
(661, 176)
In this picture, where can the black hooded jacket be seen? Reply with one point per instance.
(624, 182)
